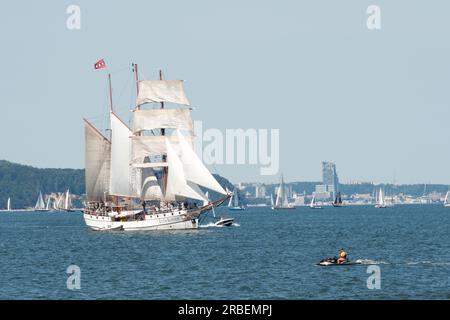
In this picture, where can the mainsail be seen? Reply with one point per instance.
(97, 163)
(8, 204)
(123, 176)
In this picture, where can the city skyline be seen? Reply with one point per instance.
(373, 102)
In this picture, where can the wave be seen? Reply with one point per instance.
(426, 262)
(212, 225)
(369, 261)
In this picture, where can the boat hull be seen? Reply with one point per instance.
(236, 208)
(176, 220)
(283, 208)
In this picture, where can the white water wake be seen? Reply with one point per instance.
(213, 225)
(369, 261)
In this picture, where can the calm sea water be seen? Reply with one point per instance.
(269, 255)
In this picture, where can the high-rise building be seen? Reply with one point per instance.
(330, 178)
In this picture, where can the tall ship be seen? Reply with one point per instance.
(381, 200)
(64, 202)
(281, 201)
(338, 200)
(148, 176)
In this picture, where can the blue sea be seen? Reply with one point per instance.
(266, 255)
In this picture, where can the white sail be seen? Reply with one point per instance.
(447, 198)
(122, 174)
(194, 169)
(47, 206)
(40, 205)
(236, 198)
(271, 200)
(151, 187)
(97, 164)
(161, 91)
(281, 199)
(67, 201)
(150, 119)
(313, 201)
(8, 204)
(147, 146)
(177, 186)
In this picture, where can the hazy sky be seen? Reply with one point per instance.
(377, 103)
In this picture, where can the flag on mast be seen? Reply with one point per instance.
(100, 64)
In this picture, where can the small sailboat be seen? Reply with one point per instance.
(8, 206)
(40, 204)
(281, 201)
(338, 201)
(313, 204)
(68, 202)
(381, 200)
(234, 204)
(447, 199)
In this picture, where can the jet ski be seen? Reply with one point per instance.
(334, 262)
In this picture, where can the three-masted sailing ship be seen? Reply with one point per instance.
(148, 176)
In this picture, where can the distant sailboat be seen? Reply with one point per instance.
(281, 201)
(313, 204)
(234, 204)
(338, 201)
(447, 199)
(8, 205)
(40, 204)
(65, 202)
(381, 201)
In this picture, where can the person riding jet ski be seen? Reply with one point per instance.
(342, 257)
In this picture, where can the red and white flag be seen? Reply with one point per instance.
(100, 64)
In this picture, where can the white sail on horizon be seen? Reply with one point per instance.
(40, 205)
(8, 204)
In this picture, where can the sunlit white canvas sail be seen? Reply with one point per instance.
(149, 119)
(97, 164)
(161, 91)
(122, 174)
(177, 185)
(8, 204)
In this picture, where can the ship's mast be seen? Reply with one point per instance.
(110, 93)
